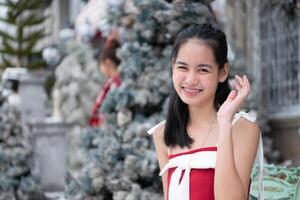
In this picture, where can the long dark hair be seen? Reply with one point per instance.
(175, 132)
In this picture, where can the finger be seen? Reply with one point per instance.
(239, 80)
(232, 95)
(236, 85)
(246, 81)
(247, 85)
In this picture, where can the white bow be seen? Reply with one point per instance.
(200, 160)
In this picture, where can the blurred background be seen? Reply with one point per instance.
(74, 127)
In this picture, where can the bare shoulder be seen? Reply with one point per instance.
(160, 146)
(158, 134)
(161, 152)
(244, 125)
(245, 131)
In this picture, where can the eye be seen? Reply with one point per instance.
(203, 70)
(181, 67)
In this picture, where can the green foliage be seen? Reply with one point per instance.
(18, 49)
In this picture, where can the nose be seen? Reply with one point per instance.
(191, 78)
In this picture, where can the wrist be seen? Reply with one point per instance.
(224, 122)
(224, 126)
(225, 130)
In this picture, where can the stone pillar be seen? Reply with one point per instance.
(33, 96)
(50, 147)
(286, 134)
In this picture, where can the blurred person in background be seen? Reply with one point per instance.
(109, 68)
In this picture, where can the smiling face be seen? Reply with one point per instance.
(196, 74)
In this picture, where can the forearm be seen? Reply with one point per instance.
(228, 184)
(165, 185)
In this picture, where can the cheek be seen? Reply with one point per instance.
(177, 79)
(211, 85)
(175, 82)
(103, 69)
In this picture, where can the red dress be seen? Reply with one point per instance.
(201, 180)
(97, 118)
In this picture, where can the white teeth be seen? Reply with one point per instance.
(191, 90)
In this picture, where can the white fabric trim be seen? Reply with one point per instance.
(151, 130)
(198, 160)
(260, 161)
(250, 116)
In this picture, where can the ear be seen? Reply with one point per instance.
(224, 73)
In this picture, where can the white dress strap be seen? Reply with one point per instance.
(260, 161)
(151, 130)
(169, 150)
(250, 116)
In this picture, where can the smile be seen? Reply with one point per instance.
(191, 91)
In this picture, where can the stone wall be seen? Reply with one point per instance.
(264, 36)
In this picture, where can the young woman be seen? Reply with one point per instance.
(109, 68)
(205, 149)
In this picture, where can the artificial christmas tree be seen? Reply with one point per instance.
(77, 81)
(120, 161)
(16, 178)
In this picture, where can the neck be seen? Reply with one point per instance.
(202, 115)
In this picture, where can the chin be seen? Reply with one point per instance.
(191, 101)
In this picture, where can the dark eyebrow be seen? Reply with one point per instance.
(181, 63)
(200, 65)
(204, 65)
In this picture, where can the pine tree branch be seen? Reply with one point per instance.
(8, 21)
(22, 52)
(35, 35)
(6, 36)
(31, 44)
(22, 6)
(9, 49)
(32, 20)
(6, 63)
(29, 5)
(8, 4)
(21, 46)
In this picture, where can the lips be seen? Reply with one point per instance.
(191, 91)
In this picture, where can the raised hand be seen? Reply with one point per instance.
(235, 99)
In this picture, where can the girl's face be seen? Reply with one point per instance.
(105, 67)
(196, 74)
